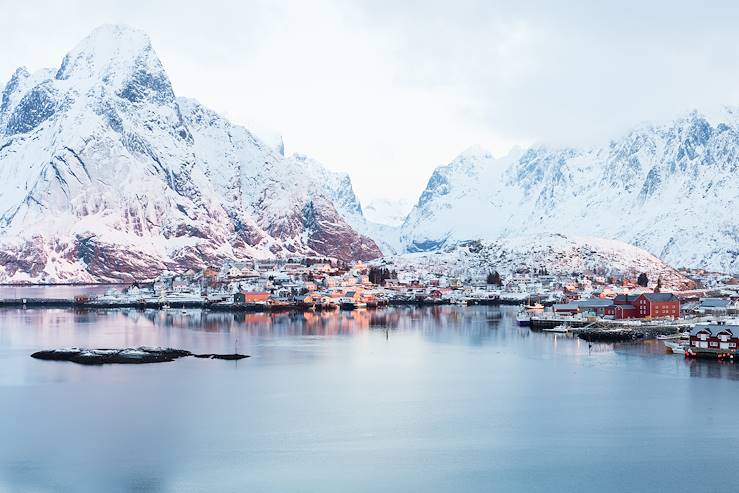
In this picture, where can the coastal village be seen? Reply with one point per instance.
(326, 283)
(591, 305)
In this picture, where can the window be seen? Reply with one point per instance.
(714, 344)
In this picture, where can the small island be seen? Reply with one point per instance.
(139, 355)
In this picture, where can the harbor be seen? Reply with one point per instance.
(585, 305)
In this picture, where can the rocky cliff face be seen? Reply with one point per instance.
(669, 189)
(107, 175)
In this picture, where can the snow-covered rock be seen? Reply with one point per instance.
(107, 175)
(670, 189)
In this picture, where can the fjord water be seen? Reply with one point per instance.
(398, 399)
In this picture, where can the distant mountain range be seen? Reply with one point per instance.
(107, 175)
(671, 190)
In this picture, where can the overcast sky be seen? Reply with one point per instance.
(388, 90)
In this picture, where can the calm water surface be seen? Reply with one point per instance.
(402, 399)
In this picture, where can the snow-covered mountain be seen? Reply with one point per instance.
(670, 189)
(108, 176)
(558, 254)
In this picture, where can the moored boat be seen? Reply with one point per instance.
(675, 347)
(666, 337)
(536, 307)
(559, 329)
(523, 318)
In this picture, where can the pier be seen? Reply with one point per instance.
(610, 330)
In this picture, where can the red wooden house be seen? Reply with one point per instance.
(645, 305)
(251, 297)
(715, 336)
(657, 305)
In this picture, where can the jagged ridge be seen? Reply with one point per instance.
(669, 189)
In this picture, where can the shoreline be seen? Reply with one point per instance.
(52, 284)
(253, 307)
(588, 330)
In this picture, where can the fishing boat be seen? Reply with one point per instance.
(675, 347)
(559, 329)
(523, 318)
(536, 307)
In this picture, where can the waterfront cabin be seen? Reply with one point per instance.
(715, 336)
(566, 309)
(251, 297)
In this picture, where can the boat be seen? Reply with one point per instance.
(665, 337)
(536, 307)
(523, 318)
(347, 303)
(559, 329)
(675, 347)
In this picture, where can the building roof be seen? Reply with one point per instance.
(714, 303)
(660, 296)
(625, 297)
(565, 306)
(715, 329)
(594, 303)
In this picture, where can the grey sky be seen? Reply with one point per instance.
(387, 90)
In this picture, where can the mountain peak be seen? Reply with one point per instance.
(475, 152)
(107, 50)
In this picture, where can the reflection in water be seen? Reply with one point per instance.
(471, 326)
(56, 291)
(435, 399)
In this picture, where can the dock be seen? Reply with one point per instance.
(711, 353)
(610, 330)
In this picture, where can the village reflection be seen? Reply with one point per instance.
(475, 326)
(434, 320)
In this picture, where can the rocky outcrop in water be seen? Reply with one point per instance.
(126, 356)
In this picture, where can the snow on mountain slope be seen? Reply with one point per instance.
(559, 254)
(669, 189)
(391, 212)
(108, 176)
